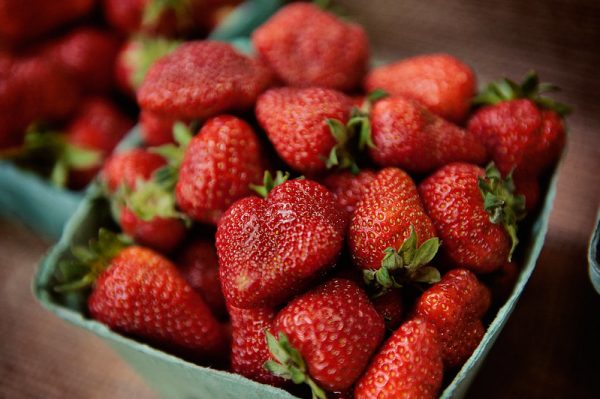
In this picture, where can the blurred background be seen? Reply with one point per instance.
(550, 346)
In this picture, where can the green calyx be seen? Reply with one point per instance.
(289, 364)
(407, 264)
(501, 203)
(141, 59)
(89, 262)
(50, 154)
(155, 9)
(356, 134)
(269, 183)
(530, 88)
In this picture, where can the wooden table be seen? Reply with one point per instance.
(551, 345)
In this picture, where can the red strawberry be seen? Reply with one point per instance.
(302, 125)
(159, 233)
(408, 366)
(522, 130)
(136, 56)
(199, 265)
(200, 79)
(334, 329)
(327, 52)
(383, 219)
(249, 350)
(475, 214)
(141, 293)
(219, 165)
(269, 249)
(407, 135)
(440, 82)
(98, 126)
(156, 130)
(502, 282)
(391, 307)
(129, 166)
(88, 56)
(347, 188)
(22, 21)
(455, 306)
(528, 187)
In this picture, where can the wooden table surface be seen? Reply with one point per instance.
(550, 346)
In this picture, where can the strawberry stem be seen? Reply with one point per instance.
(269, 183)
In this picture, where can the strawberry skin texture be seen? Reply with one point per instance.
(519, 135)
(455, 306)
(201, 79)
(347, 188)
(336, 329)
(269, 249)
(249, 350)
(383, 218)
(391, 307)
(156, 130)
(142, 294)
(327, 53)
(408, 136)
(220, 163)
(295, 122)
(160, 233)
(88, 56)
(128, 166)
(199, 265)
(454, 202)
(442, 83)
(409, 365)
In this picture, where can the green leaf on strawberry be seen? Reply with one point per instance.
(269, 183)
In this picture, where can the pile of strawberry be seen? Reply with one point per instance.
(370, 273)
(68, 67)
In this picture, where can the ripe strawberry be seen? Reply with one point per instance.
(156, 130)
(502, 282)
(199, 265)
(408, 136)
(347, 188)
(129, 166)
(327, 52)
(200, 79)
(326, 337)
(475, 213)
(271, 248)
(87, 55)
(138, 292)
(442, 83)
(160, 233)
(529, 188)
(249, 350)
(219, 164)
(383, 219)
(24, 21)
(303, 125)
(409, 365)
(522, 130)
(455, 306)
(391, 307)
(98, 126)
(136, 56)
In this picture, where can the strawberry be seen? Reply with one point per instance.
(326, 337)
(529, 188)
(271, 248)
(455, 306)
(502, 282)
(156, 130)
(200, 79)
(249, 350)
(219, 164)
(129, 166)
(347, 188)
(475, 213)
(136, 56)
(306, 126)
(522, 130)
(409, 365)
(98, 126)
(199, 265)
(409, 136)
(160, 233)
(390, 215)
(138, 292)
(24, 21)
(87, 55)
(442, 83)
(391, 307)
(327, 52)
